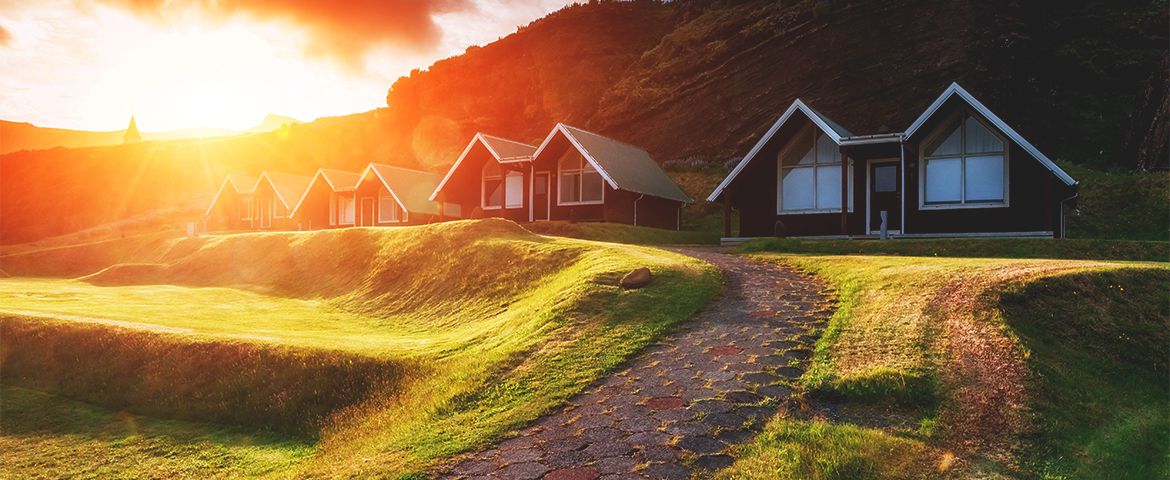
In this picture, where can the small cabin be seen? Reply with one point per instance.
(574, 175)
(392, 196)
(329, 200)
(957, 170)
(231, 207)
(273, 199)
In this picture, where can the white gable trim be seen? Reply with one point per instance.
(982, 109)
(796, 105)
(224, 184)
(264, 176)
(580, 149)
(362, 178)
(479, 137)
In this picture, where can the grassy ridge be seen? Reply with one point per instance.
(618, 233)
(507, 323)
(1099, 347)
(1074, 249)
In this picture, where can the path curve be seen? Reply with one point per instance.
(674, 409)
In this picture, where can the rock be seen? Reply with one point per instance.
(637, 278)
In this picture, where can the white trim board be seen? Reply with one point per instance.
(480, 138)
(974, 103)
(362, 178)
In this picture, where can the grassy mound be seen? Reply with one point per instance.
(923, 341)
(619, 233)
(490, 324)
(75, 259)
(1099, 347)
(1067, 248)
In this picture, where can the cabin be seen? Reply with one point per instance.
(231, 207)
(957, 170)
(328, 202)
(574, 175)
(273, 199)
(390, 196)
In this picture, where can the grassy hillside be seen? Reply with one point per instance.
(484, 341)
(931, 366)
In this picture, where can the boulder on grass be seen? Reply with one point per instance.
(637, 278)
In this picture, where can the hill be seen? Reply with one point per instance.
(16, 136)
(697, 80)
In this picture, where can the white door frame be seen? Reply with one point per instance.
(361, 220)
(869, 190)
(547, 196)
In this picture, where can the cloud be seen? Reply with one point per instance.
(5, 37)
(341, 29)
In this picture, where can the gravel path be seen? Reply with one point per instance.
(674, 409)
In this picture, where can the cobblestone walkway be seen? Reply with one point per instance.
(674, 409)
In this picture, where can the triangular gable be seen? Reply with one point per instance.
(623, 166)
(337, 180)
(502, 149)
(408, 187)
(285, 185)
(228, 180)
(956, 90)
(829, 127)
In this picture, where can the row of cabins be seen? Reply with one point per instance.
(572, 175)
(957, 170)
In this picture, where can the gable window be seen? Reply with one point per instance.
(809, 174)
(579, 183)
(964, 164)
(502, 189)
(388, 211)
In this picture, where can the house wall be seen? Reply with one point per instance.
(224, 215)
(372, 188)
(265, 195)
(314, 211)
(465, 187)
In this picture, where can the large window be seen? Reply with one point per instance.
(809, 174)
(344, 211)
(965, 164)
(579, 182)
(502, 189)
(388, 211)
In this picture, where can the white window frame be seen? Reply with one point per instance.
(384, 194)
(246, 199)
(780, 168)
(580, 180)
(502, 177)
(341, 203)
(941, 130)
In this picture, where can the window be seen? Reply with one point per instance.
(579, 182)
(345, 210)
(809, 171)
(965, 163)
(387, 208)
(502, 189)
(885, 178)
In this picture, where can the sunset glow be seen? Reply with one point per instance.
(93, 65)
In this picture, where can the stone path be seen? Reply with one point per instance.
(674, 409)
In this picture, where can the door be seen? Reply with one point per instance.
(367, 211)
(540, 196)
(885, 194)
(264, 210)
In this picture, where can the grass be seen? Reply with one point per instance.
(1069, 248)
(619, 233)
(1124, 205)
(487, 339)
(925, 338)
(1099, 346)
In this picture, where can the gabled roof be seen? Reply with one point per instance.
(502, 149)
(623, 166)
(239, 183)
(829, 127)
(956, 91)
(410, 188)
(288, 187)
(337, 180)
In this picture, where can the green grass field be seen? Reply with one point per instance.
(483, 325)
(926, 341)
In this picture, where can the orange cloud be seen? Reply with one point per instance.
(341, 29)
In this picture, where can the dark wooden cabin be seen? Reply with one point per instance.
(231, 207)
(574, 175)
(273, 199)
(329, 201)
(957, 170)
(390, 196)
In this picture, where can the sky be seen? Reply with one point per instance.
(177, 64)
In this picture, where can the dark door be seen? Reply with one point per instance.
(540, 196)
(367, 211)
(885, 194)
